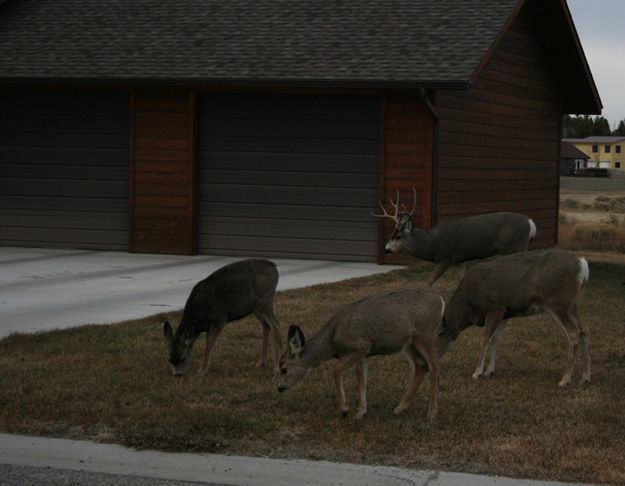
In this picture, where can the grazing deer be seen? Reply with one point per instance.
(230, 293)
(518, 285)
(385, 323)
(458, 240)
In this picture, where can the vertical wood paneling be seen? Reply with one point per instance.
(407, 163)
(499, 140)
(162, 171)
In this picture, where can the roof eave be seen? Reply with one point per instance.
(252, 83)
(591, 81)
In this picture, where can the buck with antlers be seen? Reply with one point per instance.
(458, 240)
(517, 285)
(385, 323)
(230, 293)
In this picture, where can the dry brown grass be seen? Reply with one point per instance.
(592, 221)
(112, 383)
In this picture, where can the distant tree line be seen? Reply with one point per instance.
(588, 126)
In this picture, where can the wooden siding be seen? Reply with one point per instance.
(64, 169)
(162, 172)
(288, 175)
(499, 141)
(406, 164)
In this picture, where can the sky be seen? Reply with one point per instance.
(600, 26)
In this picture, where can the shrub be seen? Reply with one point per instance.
(570, 203)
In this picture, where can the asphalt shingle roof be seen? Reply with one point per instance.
(417, 42)
(570, 151)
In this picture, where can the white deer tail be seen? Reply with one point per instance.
(532, 229)
(584, 273)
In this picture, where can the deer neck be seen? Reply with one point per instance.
(456, 319)
(318, 349)
(419, 244)
(448, 336)
(187, 331)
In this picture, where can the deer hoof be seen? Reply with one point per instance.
(585, 380)
(361, 415)
(398, 410)
(564, 382)
(477, 375)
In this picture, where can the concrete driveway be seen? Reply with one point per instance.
(43, 289)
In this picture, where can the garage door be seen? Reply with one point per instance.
(288, 175)
(64, 169)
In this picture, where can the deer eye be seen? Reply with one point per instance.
(283, 371)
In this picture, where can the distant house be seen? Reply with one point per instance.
(572, 159)
(602, 152)
(243, 128)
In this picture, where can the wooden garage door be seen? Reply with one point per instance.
(288, 175)
(64, 169)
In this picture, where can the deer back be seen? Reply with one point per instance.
(231, 292)
(387, 321)
(522, 283)
(481, 236)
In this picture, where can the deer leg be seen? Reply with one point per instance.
(264, 346)
(491, 322)
(438, 271)
(211, 336)
(494, 342)
(584, 335)
(428, 351)
(361, 374)
(277, 341)
(344, 363)
(572, 332)
(270, 324)
(418, 371)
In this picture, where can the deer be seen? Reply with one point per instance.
(228, 294)
(458, 240)
(522, 284)
(407, 321)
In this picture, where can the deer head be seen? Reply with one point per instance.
(292, 369)
(403, 223)
(179, 350)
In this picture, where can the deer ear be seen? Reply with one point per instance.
(167, 330)
(296, 340)
(408, 226)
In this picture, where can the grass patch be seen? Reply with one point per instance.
(112, 383)
(595, 225)
(596, 234)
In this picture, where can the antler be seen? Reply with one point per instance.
(385, 214)
(395, 217)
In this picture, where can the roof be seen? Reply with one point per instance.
(315, 43)
(595, 139)
(243, 40)
(570, 151)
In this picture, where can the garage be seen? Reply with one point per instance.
(288, 175)
(64, 169)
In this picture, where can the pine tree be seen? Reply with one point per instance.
(620, 130)
(601, 127)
